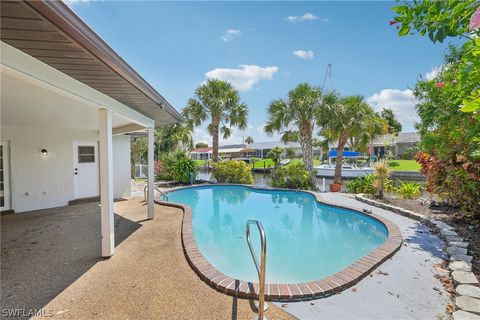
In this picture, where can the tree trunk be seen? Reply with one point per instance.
(215, 140)
(305, 139)
(342, 141)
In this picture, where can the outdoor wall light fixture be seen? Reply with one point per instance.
(44, 152)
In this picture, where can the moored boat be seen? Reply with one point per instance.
(348, 171)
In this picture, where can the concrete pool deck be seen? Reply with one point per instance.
(50, 260)
(404, 287)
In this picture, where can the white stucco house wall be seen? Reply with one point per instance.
(68, 103)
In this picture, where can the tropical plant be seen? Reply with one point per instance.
(232, 171)
(276, 155)
(363, 184)
(218, 101)
(172, 138)
(351, 119)
(296, 117)
(408, 190)
(382, 172)
(293, 176)
(201, 145)
(249, 140)
(393, 126)
(290, 153)
(138, 153)
(185, 170)
(443, 19)
(167, 164)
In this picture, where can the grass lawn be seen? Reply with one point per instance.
(200, 163)
(406, 165)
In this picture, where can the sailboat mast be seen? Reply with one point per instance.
(328, 75)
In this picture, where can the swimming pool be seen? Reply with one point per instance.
(306, 240)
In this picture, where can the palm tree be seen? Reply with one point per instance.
(173, 137)
(351, 119)
(276, 155)
(218, 101)
(296, 117)
(249, 140)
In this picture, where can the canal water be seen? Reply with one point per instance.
(264, 180)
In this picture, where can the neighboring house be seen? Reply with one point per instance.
(397, 144)
(257, 149)
(225, 152)
(67, 102)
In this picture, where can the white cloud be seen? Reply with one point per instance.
(432, 74)
(305, 17)
(401, 102)
(302, 54)
(244, 77)
(230, 34)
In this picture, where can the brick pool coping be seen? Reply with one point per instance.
(293, 291)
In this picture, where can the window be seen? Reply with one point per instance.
(86, 154)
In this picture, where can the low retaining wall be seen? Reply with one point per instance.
(407, 175)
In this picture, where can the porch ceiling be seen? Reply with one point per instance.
(24, 103)
(53, 34)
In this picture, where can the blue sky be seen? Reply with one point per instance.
(266, 49)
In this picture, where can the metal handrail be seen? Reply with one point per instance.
(155, 188)
(261, 268)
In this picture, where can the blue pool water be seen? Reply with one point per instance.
(306, 240)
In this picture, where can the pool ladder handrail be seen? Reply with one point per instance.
(261, 268)
(155, 188)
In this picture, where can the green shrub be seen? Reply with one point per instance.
(363, 184)
(408, 190)
(232, 171)
(168, 161)
(392, 164)
(293, 176)
(185, 170)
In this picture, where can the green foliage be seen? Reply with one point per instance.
(173, 137)
(201, 145)
(408, 190)
(459, 185)
(363, 184)
(440, 20)
(352, 119)
(219, 102)
(293, 176)
(185, 170)
(382, 173)
(392, 164)
(437, 19)
(232, 171)
(139, 150)
(166, 165)
(276, 155)
(393, 125)
(290, 153)
(249, 140)
(296, 116)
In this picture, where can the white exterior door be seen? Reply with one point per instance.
(86, 169)
(4, 177)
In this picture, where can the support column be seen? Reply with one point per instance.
(106, 182)
(151, 173)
